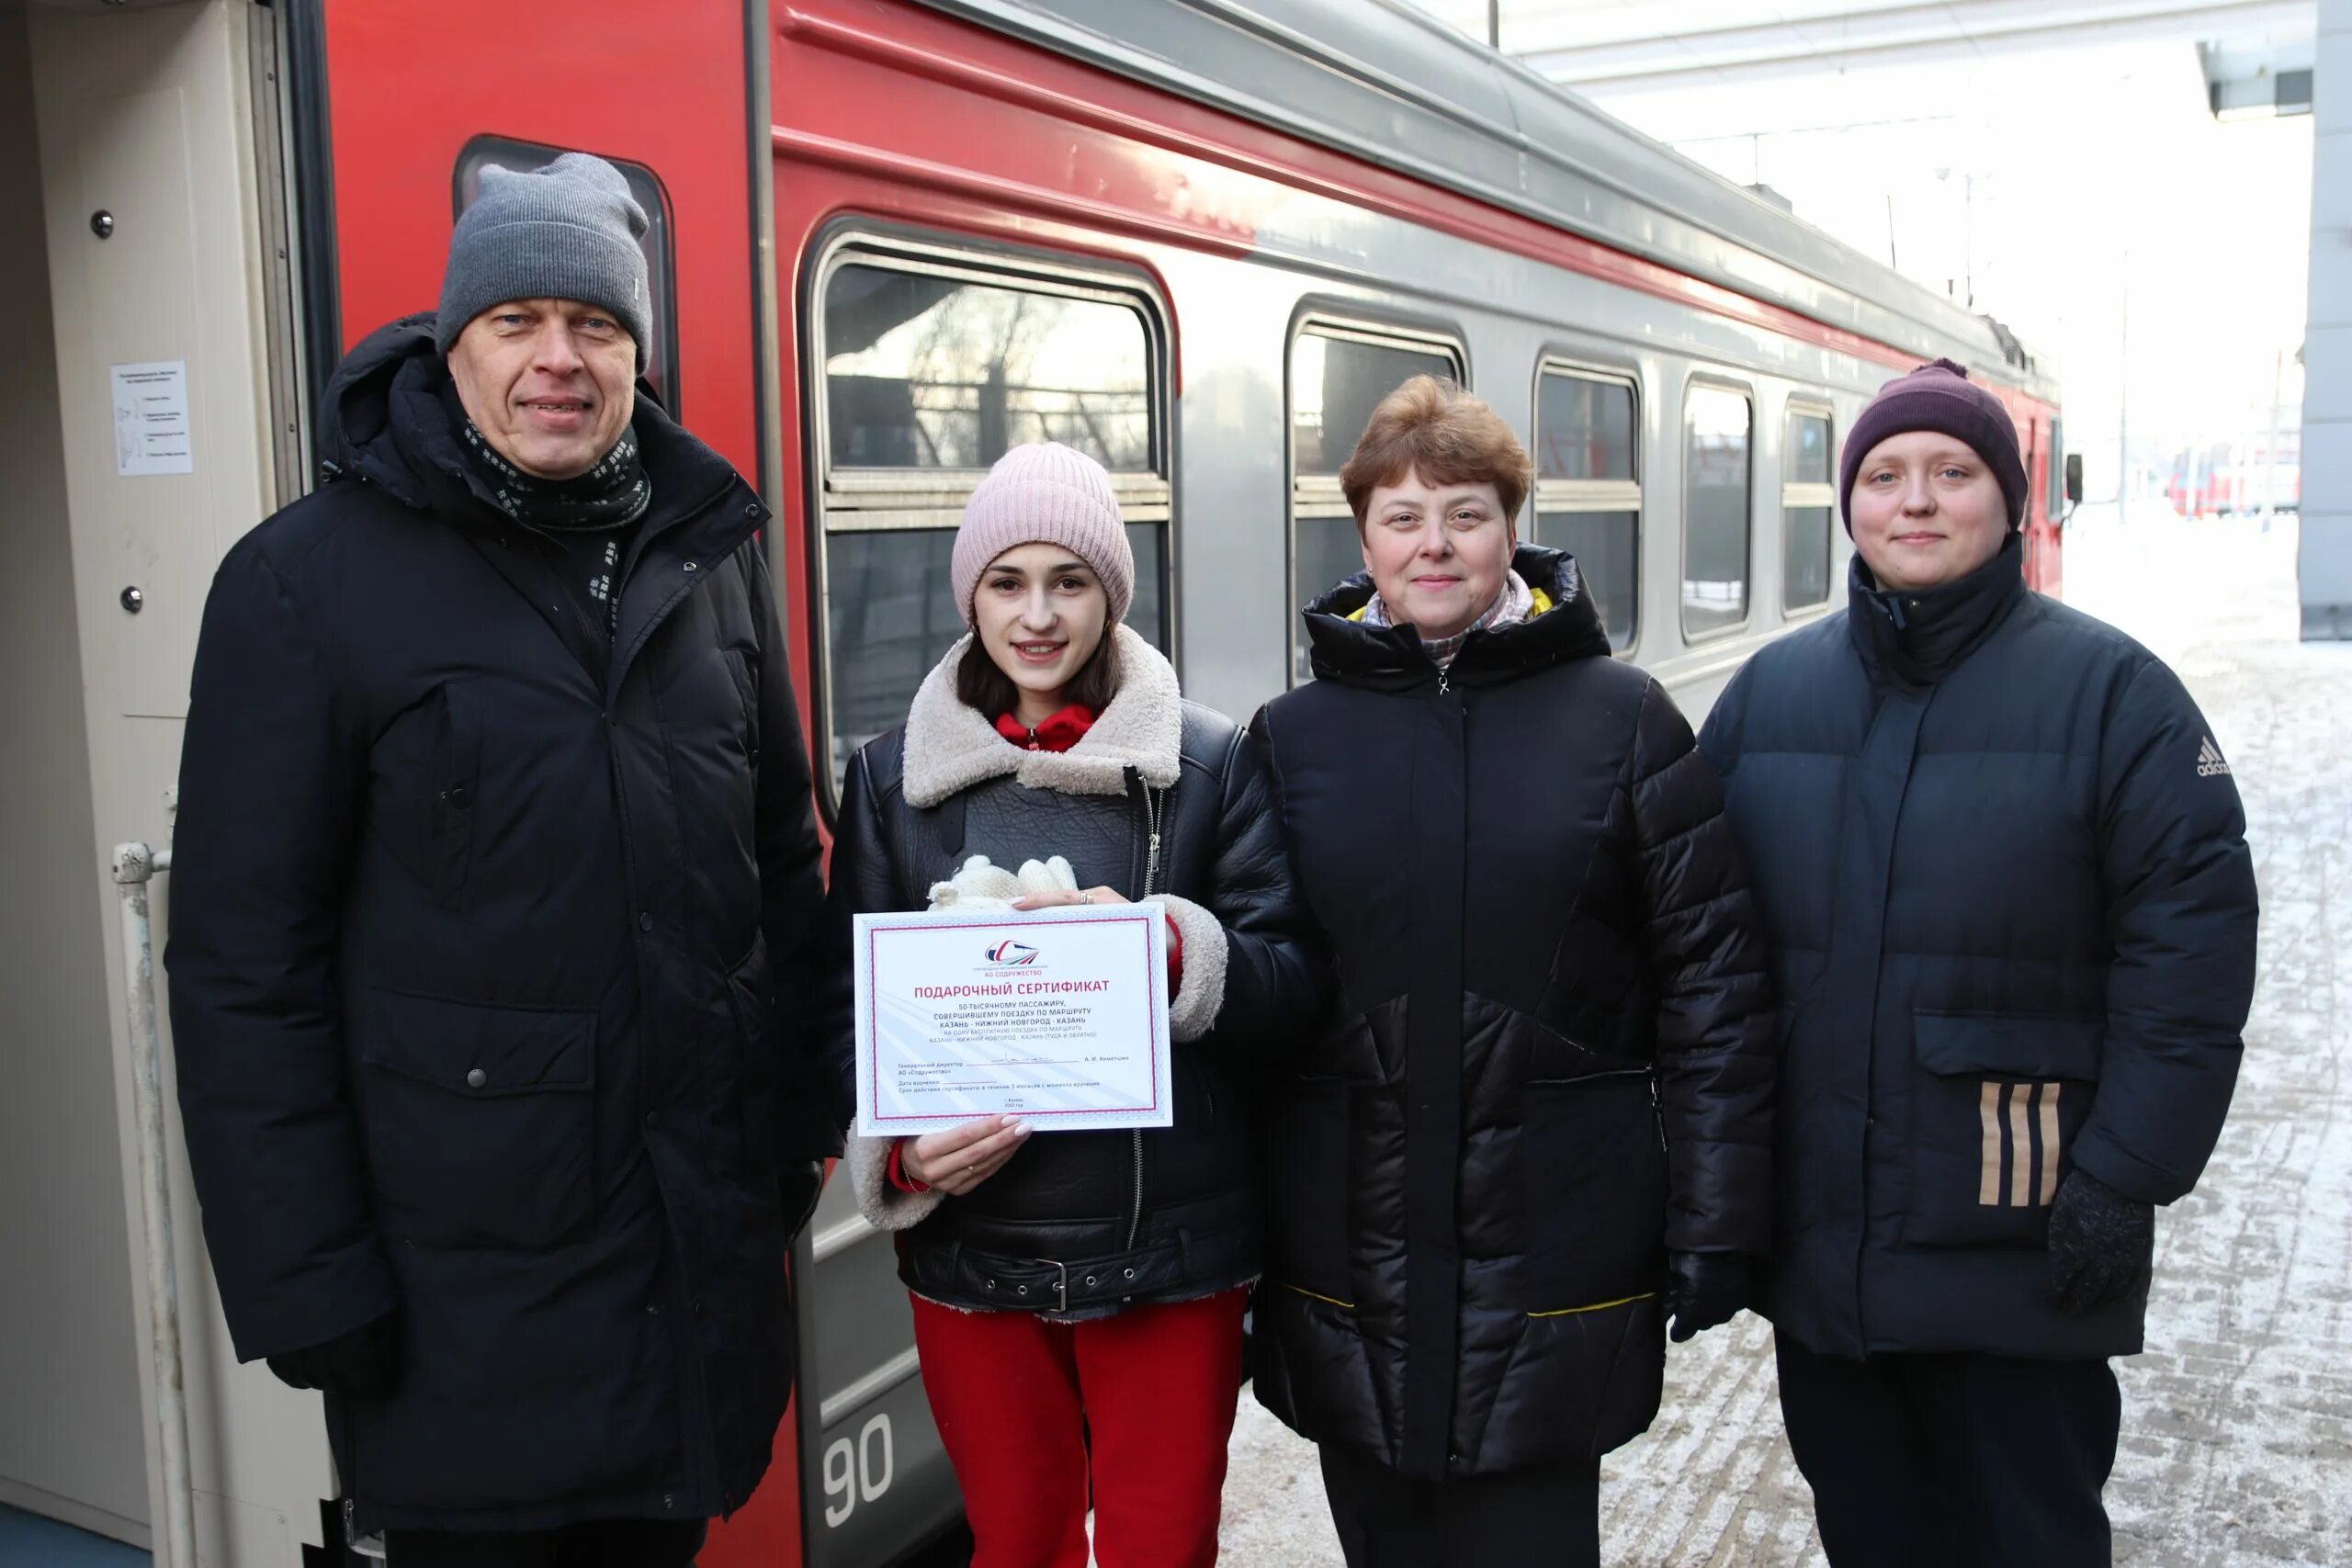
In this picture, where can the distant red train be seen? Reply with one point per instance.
(2237, 480)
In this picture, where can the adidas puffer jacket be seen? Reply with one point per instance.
(2012, 915)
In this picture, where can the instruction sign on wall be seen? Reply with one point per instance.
(150, 423)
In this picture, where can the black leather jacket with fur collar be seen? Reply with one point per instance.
(1082, 1224)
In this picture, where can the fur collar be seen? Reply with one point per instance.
(950, 747)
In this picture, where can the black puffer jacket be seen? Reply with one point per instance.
(1555, 1057)
(2004, 874)
(1176, 1206)
(479, 927)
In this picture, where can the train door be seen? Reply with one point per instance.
(2048, 509)
(400, 106)
(2044, 506)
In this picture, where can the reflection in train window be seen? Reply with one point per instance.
(931, 371)
(1338, 376)
(1808, 503)
(523, 157)
(1717, 427)
(1588, 486)
(935, 366)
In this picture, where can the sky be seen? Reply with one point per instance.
(2087, 197)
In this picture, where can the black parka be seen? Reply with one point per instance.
(2002, 867)
(1162, 798)
(492, 974)
(1554, 1057)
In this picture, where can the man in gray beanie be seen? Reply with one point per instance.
(501, 1036)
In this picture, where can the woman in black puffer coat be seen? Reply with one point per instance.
(1078, 1295)
(1543, 1123)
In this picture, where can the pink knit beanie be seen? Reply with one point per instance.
(1044, 493)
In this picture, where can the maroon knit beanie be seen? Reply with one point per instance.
(1940, 398)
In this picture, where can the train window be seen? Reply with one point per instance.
(935, 365)
(662, 353)
(1718, 467)
(1808, 502)
(1338, 373)
(1588, 486)
(931, 371)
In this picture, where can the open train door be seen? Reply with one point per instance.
(398, 104)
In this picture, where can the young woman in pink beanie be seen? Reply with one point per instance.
(1077, 1296)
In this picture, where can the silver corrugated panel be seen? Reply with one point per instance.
(1399, 88)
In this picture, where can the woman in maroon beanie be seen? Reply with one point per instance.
(2002, 867)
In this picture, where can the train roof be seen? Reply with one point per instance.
(1396, 87)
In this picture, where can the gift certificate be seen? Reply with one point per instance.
(1057, 1016)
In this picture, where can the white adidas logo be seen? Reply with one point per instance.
(2209, 760)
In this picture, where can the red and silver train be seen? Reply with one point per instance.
(1196, 238)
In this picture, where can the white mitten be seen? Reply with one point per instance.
(979, 886)
(1054, 877)
(983, 886)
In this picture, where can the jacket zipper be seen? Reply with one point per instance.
(1153, 800)
(1657, 1108)
(347, 1480)
(1597, 1074)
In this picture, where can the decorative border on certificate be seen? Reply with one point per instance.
(1057, 1016)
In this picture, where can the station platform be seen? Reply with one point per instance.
(2237, 1425)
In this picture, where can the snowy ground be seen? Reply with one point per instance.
(2237, 1440)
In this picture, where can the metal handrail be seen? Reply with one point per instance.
(135, 865)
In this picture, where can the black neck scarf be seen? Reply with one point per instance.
(613, 494)
(1921, 637)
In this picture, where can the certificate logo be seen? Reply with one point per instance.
(1008, 953)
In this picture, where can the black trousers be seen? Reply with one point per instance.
(613, 1543)
(1529, 1518)
(1953, 1460)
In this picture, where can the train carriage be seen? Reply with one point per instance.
(1198, 239)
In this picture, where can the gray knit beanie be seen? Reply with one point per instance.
(565, 231)
(1044, 493)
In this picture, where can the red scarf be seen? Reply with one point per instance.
(1059, 733)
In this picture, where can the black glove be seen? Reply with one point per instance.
(2102, 1244)
(1706, 1289)
(362, 1364)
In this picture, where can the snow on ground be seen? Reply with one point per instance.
(2237, 1426)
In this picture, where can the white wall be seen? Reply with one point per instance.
(2326, 571)
(69, 1433)
(148, 113)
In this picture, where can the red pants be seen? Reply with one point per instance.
(1017, 1399)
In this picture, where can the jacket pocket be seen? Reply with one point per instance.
(746, 681)
(479, 1122)
(424, 774)
(1995, 1111)
(757, 1089)
(1593, 1157)
(1310, 1217)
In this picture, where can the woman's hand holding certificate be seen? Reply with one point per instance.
(960, 1158)
(1055, 1014)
